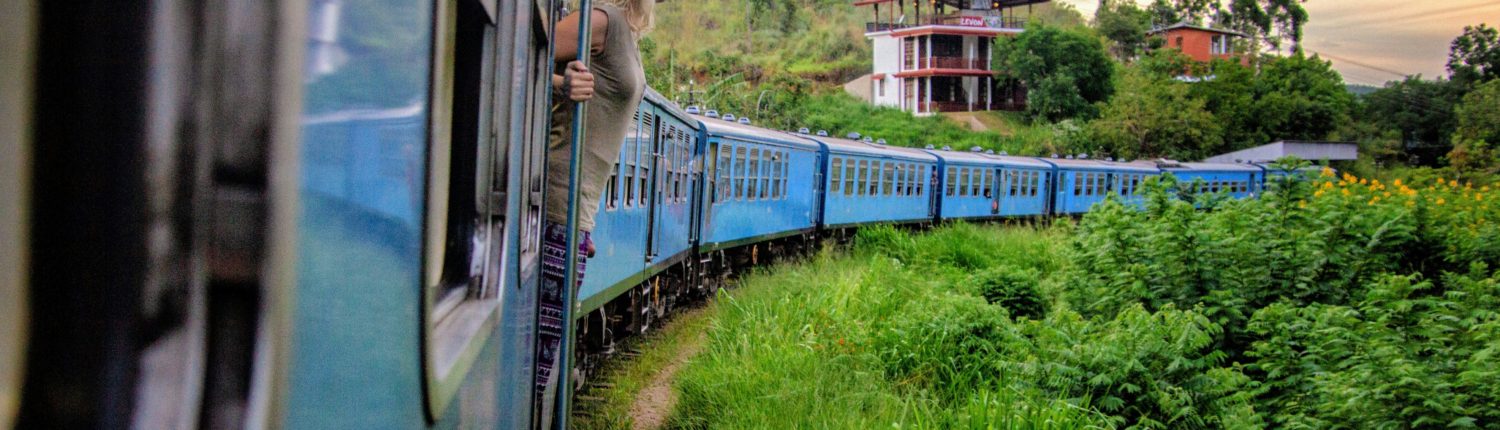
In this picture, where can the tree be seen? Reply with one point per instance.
(1271, 21)
(1478, 133)
(1421, 110)
(1230, 97)
(1065, 71)
(1474, 56)
(1153, 116)
(1125, 25)
(1299, 97)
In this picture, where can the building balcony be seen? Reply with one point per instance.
(991, 22)
(951, 63)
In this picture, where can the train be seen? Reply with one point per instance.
(327, 213)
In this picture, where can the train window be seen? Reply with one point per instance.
(952, 186)
(887, 178)
(752, 173)
(739, 173)
(899, 180)
(776, 177)
(723, 171)
(786, 167)
(1101, 184)
(864, 179)
(458, 286)
(921, 178)
(849, 177)
(1077, 184)
(612, 189)
(768, 182)
(836, 175)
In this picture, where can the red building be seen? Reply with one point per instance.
(1202, 44)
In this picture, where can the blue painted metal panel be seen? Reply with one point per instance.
(745, 200)
(356, 355)
(868, 182)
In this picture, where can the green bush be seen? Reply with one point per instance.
(1014, 289)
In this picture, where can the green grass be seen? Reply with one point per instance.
(885, 336)
(627, 376)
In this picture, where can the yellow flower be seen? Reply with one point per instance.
(1410, 203)
(1397, 182)
(1440, 201)
(1478, 197)
(1362, 181)
(1327, 185)
(1387, 194)
(1345, 191)
(1302, 203)
(1326, 171)
(1373, 200)
(1318, 193)
(1484, 188)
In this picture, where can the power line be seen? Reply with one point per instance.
(1361, 64)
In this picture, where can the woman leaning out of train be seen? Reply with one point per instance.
(612, 85)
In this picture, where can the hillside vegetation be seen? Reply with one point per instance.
(784, 62)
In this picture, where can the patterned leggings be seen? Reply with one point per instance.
(549, 318)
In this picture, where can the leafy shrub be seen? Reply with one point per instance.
(1013, 288)
(1409, 354)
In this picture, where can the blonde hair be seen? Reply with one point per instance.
(640, 13)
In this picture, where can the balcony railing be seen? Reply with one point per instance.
(954, 20)
(952, 63)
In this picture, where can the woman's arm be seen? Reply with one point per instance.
(566, 48)
(576, 82)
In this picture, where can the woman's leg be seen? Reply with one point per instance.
(549, 317)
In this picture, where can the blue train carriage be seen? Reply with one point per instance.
(759, 185)
(1022, 184)
(644, 224)
(1128, 182)
(966, 184)
(1080, 183)
(1234, 180)
(870, 182)
(434, 137)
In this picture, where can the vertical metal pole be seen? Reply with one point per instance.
(570, 279)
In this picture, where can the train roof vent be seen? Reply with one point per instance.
(1109, 158)
(744, 120)
(880, 141)
(729, 117)
(712, 113)
(1054, 155)
(1162, 162)
(823, 133)
(1070, 156)
(1003, 153)
(989, 151)
(947, 148)
(976, 149)
(1083, 156)
(853, 135)
(803, 130)
(928, 147)
(694, 109)
(867, 139)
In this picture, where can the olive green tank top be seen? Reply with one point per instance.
(619, 82)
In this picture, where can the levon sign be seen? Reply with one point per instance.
(972, 21)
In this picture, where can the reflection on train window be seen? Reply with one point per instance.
(752, 173)
(862, 177)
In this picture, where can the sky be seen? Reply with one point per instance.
(1373, 41)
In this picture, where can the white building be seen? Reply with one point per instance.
(938, 59)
